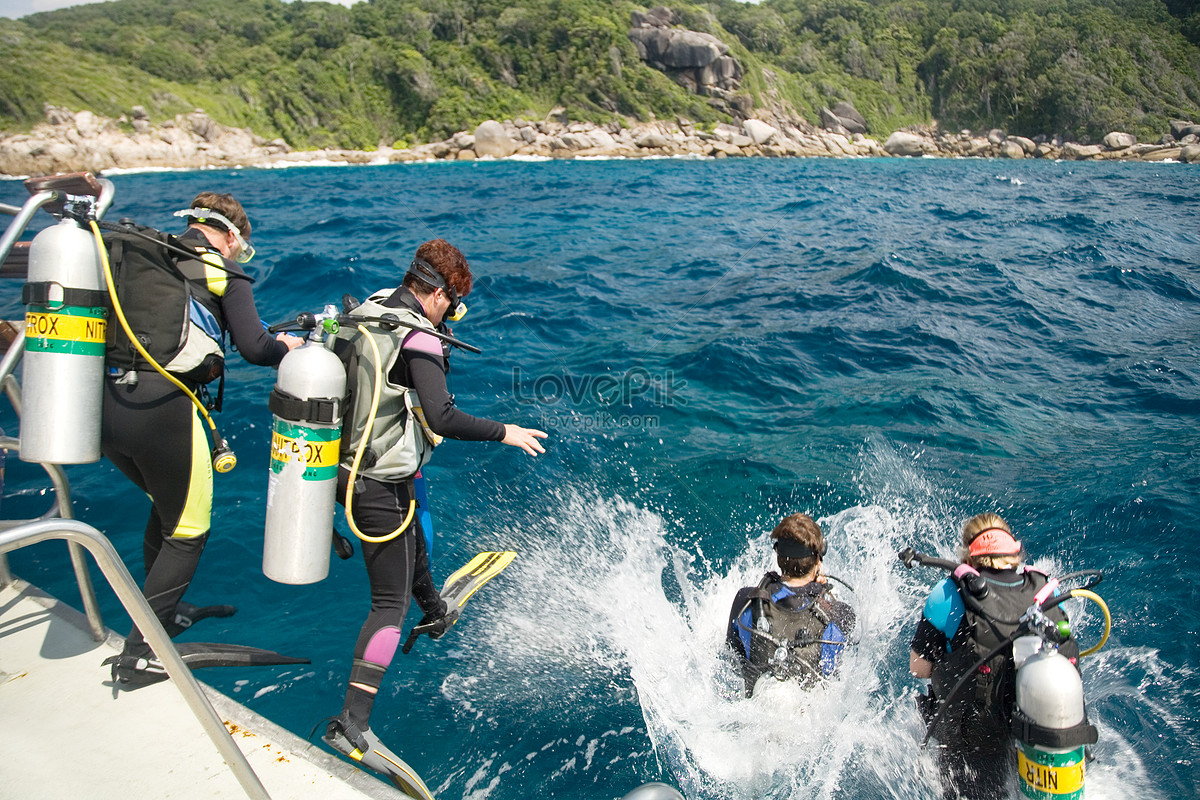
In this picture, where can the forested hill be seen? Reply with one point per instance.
(324, 75)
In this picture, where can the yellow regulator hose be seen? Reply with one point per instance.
(362, 446)
(1095, 598)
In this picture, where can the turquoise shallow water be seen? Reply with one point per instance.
(889, 345)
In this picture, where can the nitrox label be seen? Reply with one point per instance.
(70, 329)
(315, 448)
(1050, 776)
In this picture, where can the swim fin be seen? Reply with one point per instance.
(187, 615)
(457, 590)
(133, 672)
(198, 655)
(363, 747)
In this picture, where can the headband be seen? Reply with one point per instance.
(425, 271)
(994, 542)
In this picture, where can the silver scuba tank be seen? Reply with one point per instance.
(305, 443)
(62, 382)
(1051, 727)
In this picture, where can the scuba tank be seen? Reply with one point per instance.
(308, 405)
(305, 448)
(1050, 725)
(62, 383)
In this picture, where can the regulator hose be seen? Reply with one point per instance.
(358, 454)
(1088, 594)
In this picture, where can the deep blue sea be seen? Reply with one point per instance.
(888, 345)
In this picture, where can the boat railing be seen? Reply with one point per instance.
(58, 522)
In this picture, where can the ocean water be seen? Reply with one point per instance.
(888, 345)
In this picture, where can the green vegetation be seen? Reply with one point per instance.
(322, 75)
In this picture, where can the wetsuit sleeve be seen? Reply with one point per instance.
(735, 637)
(928, 642)
(427, 371)
(246, 328)
(844, 617)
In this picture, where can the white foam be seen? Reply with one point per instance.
(601, 597)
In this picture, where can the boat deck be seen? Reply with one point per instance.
(65, 733)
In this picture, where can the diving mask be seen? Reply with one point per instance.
(203, 215)
(458, 309)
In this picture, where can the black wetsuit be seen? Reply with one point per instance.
(399, 568)
(153, 434)
(975, 752)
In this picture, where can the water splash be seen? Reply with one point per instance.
(604, 608)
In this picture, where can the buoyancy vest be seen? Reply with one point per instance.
(172, 305)
(792, 633)
(981, 714)
(400, 442)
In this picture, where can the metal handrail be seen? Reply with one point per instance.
(57, 523)
(143, 616)
(60, 508)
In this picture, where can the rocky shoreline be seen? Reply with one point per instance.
(73, 141)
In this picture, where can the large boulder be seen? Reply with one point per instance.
(1179, 127)
(903, 143)
(678, 49)
(492, 140)
(1190, 154)
(652, 139)
(1078, 152)
(851, 120)
(831, 122)
(759, 131)
(1028, 145)
(654, 18)
(726, 72)
(1011, 149)
(1119, 141)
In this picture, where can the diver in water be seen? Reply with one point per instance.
(403, 433)
(789, 625)
(150, 429)
(975, 752)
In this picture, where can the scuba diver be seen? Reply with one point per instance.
(966, 617)
(151, 429)
(789, 625)
(400, 431)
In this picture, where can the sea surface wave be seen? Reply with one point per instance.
(889, 345)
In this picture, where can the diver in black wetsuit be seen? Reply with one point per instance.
(789, 625)
(153, 434)
(383, 497)
(975, 753)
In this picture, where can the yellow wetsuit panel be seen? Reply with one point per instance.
(215, 275)
(197, 510)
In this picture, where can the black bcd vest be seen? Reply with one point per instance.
(982, 710)
(786, 635)
(155, 297)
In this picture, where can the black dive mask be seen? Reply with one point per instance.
(790, 548)
(423, 270)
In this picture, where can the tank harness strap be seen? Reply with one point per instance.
(1029, 731)
(50, 293)
(323, 410)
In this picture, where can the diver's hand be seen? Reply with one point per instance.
(292, 342)
(435, 625)
(524, 438)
